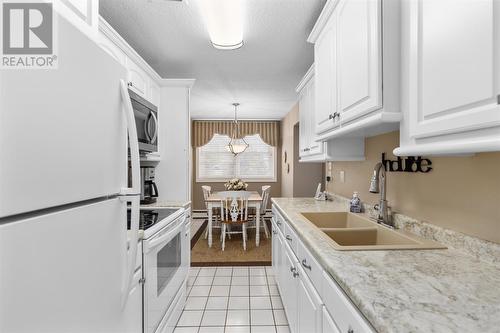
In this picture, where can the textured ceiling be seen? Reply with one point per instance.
(262, 75)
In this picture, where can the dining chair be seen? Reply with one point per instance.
(207, 191)
(234, 212)
(266, 194)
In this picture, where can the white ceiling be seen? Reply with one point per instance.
(262, 75)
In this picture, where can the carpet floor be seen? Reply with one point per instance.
(233, 255)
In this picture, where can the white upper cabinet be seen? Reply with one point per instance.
(84, 14)
(451, 76)
(356, 51)
(307, 136)
(358, 55)
(310, 150)
(141, 78)
(154, 93)
(110, 47)
(325, 88)
(138, 80)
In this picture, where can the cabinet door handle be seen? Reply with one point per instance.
(304, 263)
(274, 232)
(130, 84)
(278, 223)
(288, 238)
(294, 271)
(350, 330)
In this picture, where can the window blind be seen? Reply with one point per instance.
(216, 163)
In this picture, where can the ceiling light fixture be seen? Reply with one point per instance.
(237, 144)
(224, 21)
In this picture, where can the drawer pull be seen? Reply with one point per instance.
(288, 238)
(274, 232)
(350, 330)
(292, 269)
(304, 263)
(278, 223)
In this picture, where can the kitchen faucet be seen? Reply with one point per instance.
(379, 172)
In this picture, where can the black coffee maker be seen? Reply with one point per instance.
(149, 190)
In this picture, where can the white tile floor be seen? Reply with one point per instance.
(232, 300)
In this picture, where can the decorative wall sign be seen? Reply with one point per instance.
(407, 164)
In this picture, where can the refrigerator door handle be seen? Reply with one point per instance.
(131, 194)
(132, 248)
(133, 142)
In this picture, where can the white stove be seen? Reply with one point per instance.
(152, 220)
(166, 246)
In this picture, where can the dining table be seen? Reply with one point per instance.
(214, 200)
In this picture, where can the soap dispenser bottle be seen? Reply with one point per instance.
(355, 203)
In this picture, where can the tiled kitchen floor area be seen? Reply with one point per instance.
(232, 300)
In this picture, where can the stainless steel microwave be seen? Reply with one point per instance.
(146, 121)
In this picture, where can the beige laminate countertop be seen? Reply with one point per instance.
(404, 290)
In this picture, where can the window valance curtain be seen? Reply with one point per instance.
(204, 130)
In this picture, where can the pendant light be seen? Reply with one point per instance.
(237, 144)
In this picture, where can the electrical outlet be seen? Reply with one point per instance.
(342, 176)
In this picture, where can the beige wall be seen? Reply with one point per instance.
(306, 176)
(197, 194)
(460, 193)
(287, 125)
(303, 178)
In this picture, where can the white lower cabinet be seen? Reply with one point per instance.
(328, 325)
(309, 305)
(276, 248)
(312, 300)
(289, 287)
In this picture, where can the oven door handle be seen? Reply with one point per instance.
(149, 245)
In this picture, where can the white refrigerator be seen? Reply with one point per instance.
(66, 259)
